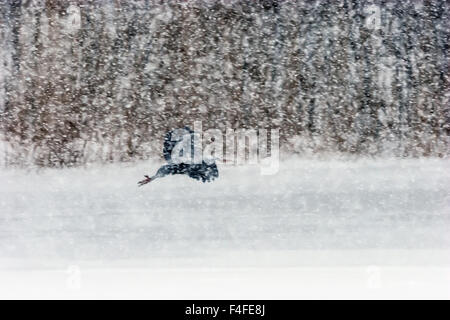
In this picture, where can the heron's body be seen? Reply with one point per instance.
(203, 172)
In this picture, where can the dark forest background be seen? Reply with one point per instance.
(90, 81)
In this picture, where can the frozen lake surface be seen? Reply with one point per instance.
(312, 214)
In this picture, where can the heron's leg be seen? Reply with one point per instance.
(164, 171)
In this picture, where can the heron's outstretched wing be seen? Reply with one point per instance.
(171, 139)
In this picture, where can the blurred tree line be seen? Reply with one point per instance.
(84, 81)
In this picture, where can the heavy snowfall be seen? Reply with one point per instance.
(360, 94)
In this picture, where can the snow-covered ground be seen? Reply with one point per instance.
(318, 228)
